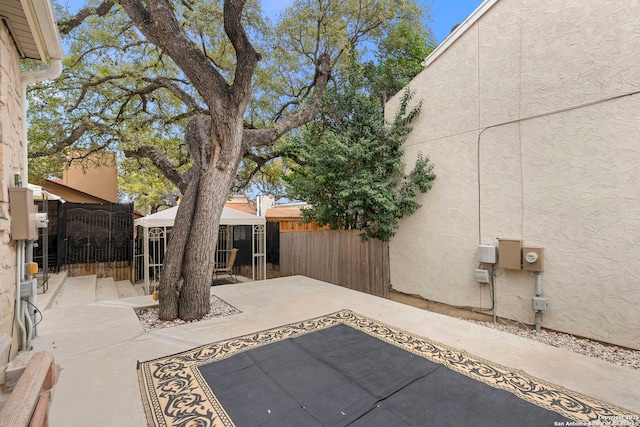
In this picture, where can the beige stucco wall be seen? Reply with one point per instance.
(10, 163)
(98, 178)
(528, 144)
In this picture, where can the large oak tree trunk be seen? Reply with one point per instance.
(199, 260)
(188, 268)
(171, 278)
(216, 143)
(198, 140)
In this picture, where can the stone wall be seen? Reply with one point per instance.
(11, 160)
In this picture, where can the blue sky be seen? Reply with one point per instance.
(445, 13)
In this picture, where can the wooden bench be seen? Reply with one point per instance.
(28, 404)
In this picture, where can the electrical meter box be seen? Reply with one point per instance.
(533, 258)
(510, 253)
(23, 214)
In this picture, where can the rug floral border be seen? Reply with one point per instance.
(175, 393)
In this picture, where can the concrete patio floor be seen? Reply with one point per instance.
(97, 344)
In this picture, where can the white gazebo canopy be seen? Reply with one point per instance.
(155, 228)
(229, 216)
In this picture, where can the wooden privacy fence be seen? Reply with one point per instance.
(338, 257)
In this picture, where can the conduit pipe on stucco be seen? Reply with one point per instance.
(25, 248)
(18, 308)
(28, 325)
(539, 295)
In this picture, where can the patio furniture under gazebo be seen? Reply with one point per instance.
(155, 231)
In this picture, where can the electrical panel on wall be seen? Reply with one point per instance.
(510, 253)
(23, 214)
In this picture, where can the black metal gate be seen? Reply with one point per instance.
(273, 243)
(95, 233)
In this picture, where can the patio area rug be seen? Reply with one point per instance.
(345, 369)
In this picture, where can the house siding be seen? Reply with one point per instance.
(11, 160)
(533, 127)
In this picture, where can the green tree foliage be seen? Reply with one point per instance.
(353, 174)
(399, 56)
(216, 76)
(120, 92)
(143, 184)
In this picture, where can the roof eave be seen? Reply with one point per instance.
(459, 31)
(42, 22)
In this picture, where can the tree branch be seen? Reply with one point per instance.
(87, 154)
(65, 27)
(75, 136)
(162, 162)
(261, 160)
(247, 57)
(176, 90)
(86, 86)
(261, 137)
(157, 21)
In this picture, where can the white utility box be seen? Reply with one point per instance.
(482, 275)
(42, 220)
(487, 254)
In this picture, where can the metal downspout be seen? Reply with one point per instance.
(52, 72)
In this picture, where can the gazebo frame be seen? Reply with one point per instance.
(156, 230)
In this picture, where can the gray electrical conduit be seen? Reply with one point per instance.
(52, 72)
(18, 309)
(537, 116)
